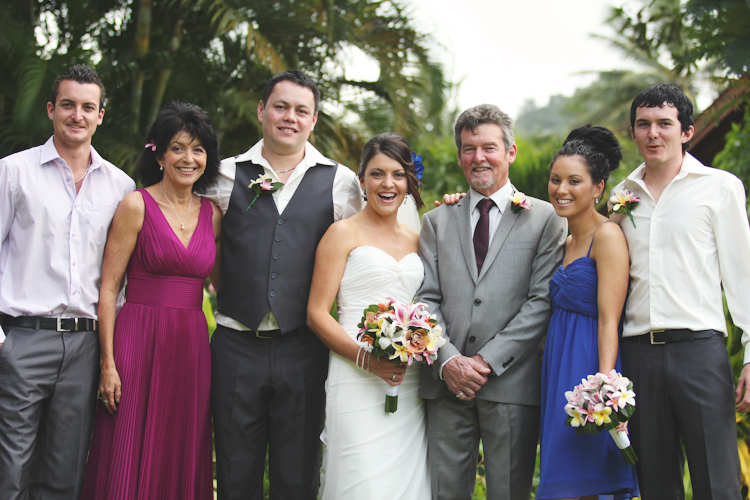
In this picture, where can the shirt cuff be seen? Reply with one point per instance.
(2, 335)
(446, 361)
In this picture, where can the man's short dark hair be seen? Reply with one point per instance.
(294, 76)
(480, 115)
(80, 73)
(659, 94)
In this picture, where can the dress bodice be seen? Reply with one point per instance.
(370, 277)
(574, 288)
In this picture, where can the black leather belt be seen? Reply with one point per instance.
(57, 324)
(656, 337)
(276, 334)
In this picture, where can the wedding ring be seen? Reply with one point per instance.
(394, 377)
(459, 395)
(105, 401)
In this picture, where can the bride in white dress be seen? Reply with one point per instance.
(370, 454)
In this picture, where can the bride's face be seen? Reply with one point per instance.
(384, 183)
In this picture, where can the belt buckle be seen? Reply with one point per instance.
(651, 333)
(258, 335)
(61, 329)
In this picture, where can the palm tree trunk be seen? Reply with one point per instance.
(140, 49)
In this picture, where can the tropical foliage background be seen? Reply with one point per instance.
(218, 54)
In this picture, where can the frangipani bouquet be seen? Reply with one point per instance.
(403, 332)
(603, 401)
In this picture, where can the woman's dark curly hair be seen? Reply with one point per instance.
(597, 146)
(174, 118)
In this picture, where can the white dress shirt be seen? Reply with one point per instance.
(684, 248)
(52, 238)
(347, 199)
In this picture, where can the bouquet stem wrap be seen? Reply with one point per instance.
(391, 398)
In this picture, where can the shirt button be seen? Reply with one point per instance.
(278, 238)
(272, 294)
(274, 276)
(477, 302)
(275, 256)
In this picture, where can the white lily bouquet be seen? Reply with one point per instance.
(403, 332)
(603, 401)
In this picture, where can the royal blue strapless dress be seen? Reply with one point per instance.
(573, 465)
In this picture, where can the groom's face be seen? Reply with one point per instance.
(484, 158)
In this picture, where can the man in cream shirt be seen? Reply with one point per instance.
(689, 237)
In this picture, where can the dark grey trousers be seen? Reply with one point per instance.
(48, 384)
(684, 394)
(267, 395)
(509, 435)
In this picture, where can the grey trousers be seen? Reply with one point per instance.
(267, 395)
(509, 435)
(684, 395)
(48, 384)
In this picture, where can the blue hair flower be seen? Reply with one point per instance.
(418, 165)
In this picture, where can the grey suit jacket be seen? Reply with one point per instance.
(501, 313)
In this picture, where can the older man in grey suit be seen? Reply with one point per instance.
(488, 263)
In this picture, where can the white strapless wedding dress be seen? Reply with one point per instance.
(370, 454)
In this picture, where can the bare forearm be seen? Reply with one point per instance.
(608, 344)
(106, 314)
(332, 335)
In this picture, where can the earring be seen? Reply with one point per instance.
(364, 195)
(596, 200)
(161, 167)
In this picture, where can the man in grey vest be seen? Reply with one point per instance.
(269, 369)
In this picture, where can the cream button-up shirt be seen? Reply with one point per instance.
(684, 248)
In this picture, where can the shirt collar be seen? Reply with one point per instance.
(50, 154)
(690, 165)
(500, 197)
(312, 156)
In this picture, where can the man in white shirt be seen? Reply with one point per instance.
(688, 237)
(56, 204)
(269, 369)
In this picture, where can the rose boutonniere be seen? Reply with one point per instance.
(623, 202)
(518, 201)
(263, 183)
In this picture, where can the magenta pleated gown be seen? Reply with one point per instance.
(158, 446)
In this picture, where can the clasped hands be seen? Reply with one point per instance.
(466, 375)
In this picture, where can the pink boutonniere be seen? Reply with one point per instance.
(519, 201)
(263, 183)
(623, 202)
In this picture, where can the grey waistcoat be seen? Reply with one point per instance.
(267, 258)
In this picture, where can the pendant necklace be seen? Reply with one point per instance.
(190, 206)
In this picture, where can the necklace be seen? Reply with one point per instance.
(82, 177)
(283, 171)
(190, 206)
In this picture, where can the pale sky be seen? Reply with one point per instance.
(504, 52)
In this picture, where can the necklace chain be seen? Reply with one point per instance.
(283, 171)
(82, 177)
(190, 206)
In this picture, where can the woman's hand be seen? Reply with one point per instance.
(386, 369)
(110, 388)
(622, 427)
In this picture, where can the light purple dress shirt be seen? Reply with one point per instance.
(52, 239)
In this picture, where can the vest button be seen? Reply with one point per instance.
(272, 294)
(477, 302)
(280, 221)
(275, 256)
(472, 339)
(278, 238)
(274, 276)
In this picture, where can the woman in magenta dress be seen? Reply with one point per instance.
(152, 434)
(587, 294)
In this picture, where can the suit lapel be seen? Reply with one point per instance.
(463, 225)
(503, 229)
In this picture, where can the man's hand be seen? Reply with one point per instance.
(450, 199)
(743, 390)
(465, 376)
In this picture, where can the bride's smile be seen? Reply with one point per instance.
(384, 183)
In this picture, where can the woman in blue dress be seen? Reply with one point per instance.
(587, 294)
